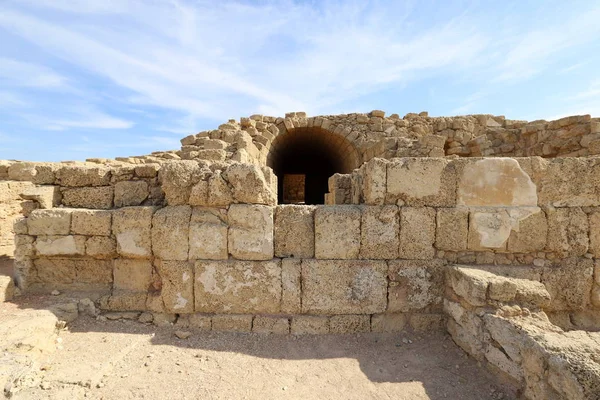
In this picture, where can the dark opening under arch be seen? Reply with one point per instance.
(311, 154)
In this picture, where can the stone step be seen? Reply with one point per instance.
(481, 288)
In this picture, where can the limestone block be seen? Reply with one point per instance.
(146, 170)
(421, 182)
(170, 232)
(415, 285)
(249, 185)
(343, 287)
(594, 224)
(337, 232)
(570, 182)
(250, 234)
(495, 182)
(74, 274)
(20, 226)
(178, 178)
(452, 228)
(380, 232)
(45, 196)
(530, 235)
(569, 284)
(276, 325)
(427, 322)
(375, 181)
(232, 323)
(132, 275)
(124, 301)
(102, 247)
(177, 285)
(199, 194)
(238, 286)
(208, 234)
(309, 325)
(490, 228)
(470, 284)
(22, 171)
(83, 175)
(60, 245)
(219, 193)
(350, 324)
(56, 221)
(499, 359)
(132, 229)
(130, 193)
(88, 197)
(291, 295)
(567, 231)
(24, 247)
(91, 222)
(7, 288)
(417, 233)
(388, 323)
(294, 233)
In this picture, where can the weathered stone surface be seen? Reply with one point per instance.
(427, 322)
(238, 286)
(88, 197)
(101, 247)
(45, 196)
(276, 325)
(380, 230)
(83, 175)
(74, 273)
(496, 182)
(594, 224)
(489, 229)
(55, 221)
(415, 285)
(375, 181)
(177, 291)
(337, 232)
(291, 284)
(60, 245)
(417, 233)
(208, 234)
(232, 323)
(132, 229)
(170, 232)
(178, 178)
(570, 182)
(452, 228)
(250, 234)
(7, 288)
(343, 287)
(130, 193)
(421, 182)
(91, 222)
(569, 284)
(350, 324)
(567, 231)
(219, 193)
(309, 325)
(530, 235)
(132, 275)
(248, 185)
(388, 323)
(294, 233)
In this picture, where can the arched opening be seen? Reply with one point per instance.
(303, 161)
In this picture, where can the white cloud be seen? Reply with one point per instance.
(17, 73)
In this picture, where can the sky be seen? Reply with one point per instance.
(108, 78)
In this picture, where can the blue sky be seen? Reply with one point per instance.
(106, 78)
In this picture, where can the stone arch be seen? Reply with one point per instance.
(314, 153)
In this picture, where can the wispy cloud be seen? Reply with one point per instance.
(16, 73)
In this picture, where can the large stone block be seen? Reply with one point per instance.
(567, 231)
(102, 247)
(594, 224)
(45, 196)
(177, 290)
(83, 175)
(132, 229)
(294, 231)
(91, 222)
(337, 232)
(530, 235)
(250, 234)
(132, 275)
(380, 232)
(56, 221)
(74, 274)
(569, 284)
(350, 323)
(309, 325)
(130, 193)
(452, 228)
(178, 178)
(238, 286)
(375, 181)
(88, 197)
(170, 232)
(291, 295)
(232, 323)
(415, 285)
(276, 325)
(208, 234)
(344, 287)
(249, 185)
(388, 323)
(421, 182)
(489, 229)
(417, 233)
(60, 245)
(570, 182)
